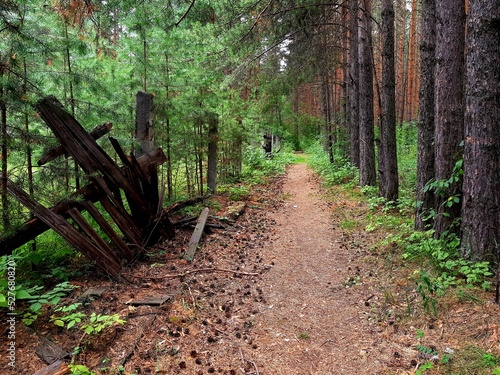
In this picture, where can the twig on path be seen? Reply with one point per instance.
(245, 361)
(199, 270)
(326, 342)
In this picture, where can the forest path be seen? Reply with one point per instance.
(313, 323)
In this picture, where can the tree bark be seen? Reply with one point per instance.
(449, 101)
(412, 71)
(425, 158)
(4, 153)
(366, 123)
(481, 201)
(354, 84)
(213, 138)
(388, 165)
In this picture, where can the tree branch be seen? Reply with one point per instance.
(185, 14)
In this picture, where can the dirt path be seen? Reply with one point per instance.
(313, 323)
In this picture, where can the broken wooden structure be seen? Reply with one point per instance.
(140, 219)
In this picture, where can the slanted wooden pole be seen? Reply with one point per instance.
(65, 230)
(196, 237)
(90, 193)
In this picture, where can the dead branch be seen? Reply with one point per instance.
(187, 273)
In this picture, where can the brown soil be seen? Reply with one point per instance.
(282, 290)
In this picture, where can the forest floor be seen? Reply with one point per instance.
(286, 288)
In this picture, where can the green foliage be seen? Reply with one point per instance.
(339, 172)
(35, 298)
(424, 367)
(71, 316)
(237, 193)
(441, 186)
(51, 297)
(303, 336)
(444, 257)
(49, 262)
(257, 166)
(79, 370)
(427, 290)
(407, 160)
(98, 322)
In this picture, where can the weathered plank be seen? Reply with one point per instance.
(49, 352)
(57, 151)
(120, 244)
(92, 235)
(196, 237)
(65, 230)
(145, 180)
(89, 193)
(123, 220)
(56, 368)
(180, 205)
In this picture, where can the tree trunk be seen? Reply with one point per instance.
(29, 151)
(167, 130)
(412, 71)
(400, 57)
(388, 166)
(425, 159)
(366, 123)
(481, 202)
(213, 138)
(449, 97)
(354, 84)
(4, 140)
(71, 98)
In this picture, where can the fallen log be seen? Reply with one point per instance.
(196, 237)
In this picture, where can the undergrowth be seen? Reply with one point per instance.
(436, 276)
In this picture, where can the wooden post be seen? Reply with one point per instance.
(144, 122)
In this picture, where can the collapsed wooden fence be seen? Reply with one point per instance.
(141, 221)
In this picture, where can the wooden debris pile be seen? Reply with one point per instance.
(140, 219)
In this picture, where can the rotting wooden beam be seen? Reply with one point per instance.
(196, 237)
(65, 230)
(145, 180)
(56, 368)
(106, 227)
(89, 193)
(57, 151)
(84, 149)
(86, 228)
